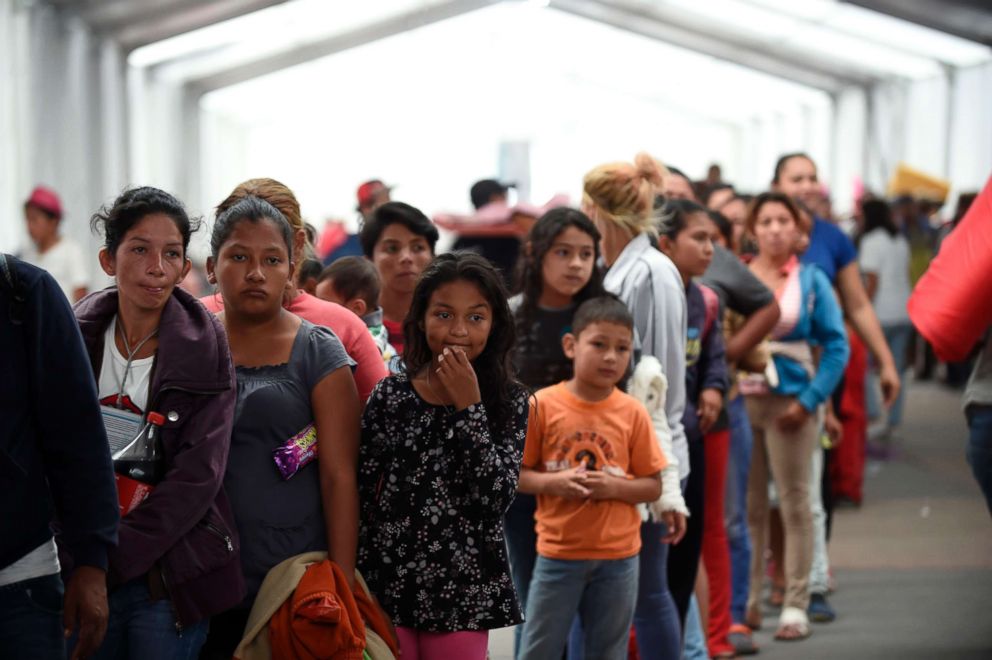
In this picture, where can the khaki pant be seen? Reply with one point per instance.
(787, 457)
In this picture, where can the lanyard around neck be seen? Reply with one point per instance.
(131, 352)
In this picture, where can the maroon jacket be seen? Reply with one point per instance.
(185, 528)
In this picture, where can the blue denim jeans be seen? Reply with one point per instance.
(695, 640)
(735, 506)
(656, 619)
(603, 593)
(521, 546)
(31, 619)
(979, 451)
(897, 336)
(143, 628)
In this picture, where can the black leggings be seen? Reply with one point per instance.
(226, 631)
(683, 559)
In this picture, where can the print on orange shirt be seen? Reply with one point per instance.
(587, 448)
(615, 436)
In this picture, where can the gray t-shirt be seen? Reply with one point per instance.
(735, 284)
(979, 389)
(278, 518)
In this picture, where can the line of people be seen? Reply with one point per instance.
(559, 460)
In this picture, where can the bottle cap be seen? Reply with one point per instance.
(155, 418)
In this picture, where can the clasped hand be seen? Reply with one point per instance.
(580, 483)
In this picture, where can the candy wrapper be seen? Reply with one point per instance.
(297, 452)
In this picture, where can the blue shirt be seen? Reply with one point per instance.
(820, 324)
(829, 248)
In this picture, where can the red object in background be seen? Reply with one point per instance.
(47, 200)
(847, 468)
(950, 304)
(331, 238)
(716, 547)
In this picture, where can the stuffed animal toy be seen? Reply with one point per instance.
(649, 386)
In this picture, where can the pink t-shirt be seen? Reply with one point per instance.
(790, 300)
(349, 328)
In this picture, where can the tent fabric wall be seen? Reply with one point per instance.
(61, 118)
(76, 116)
(939, 125)
(971, 129)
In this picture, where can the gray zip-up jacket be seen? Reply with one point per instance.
(650, 285)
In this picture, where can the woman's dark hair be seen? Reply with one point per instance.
(965, 200)
(780, 198)
(784, 159)
(251, 209)
(878, 214)
(396, 212)
(675, 215)
(134, 204)
(717, 188)
(542, 236)
(723, 225)
(494, 366)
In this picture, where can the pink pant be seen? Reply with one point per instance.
(465, 645)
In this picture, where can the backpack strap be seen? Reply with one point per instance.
(712, 302)
(12, 284)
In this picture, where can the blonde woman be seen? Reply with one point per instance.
(619, 198)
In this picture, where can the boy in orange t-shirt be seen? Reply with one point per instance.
(591, 456)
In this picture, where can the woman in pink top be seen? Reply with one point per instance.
(349, 328)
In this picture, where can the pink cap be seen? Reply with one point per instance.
(45, 199)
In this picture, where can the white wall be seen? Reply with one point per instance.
(60, 119)
(971, 129)
(848, 147)
(910, 125)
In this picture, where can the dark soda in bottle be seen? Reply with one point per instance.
(140, 465)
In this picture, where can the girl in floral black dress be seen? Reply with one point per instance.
(438, 466)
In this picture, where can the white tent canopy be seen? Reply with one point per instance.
(426, 94)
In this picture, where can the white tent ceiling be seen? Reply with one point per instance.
(772, 71)
(213, 89)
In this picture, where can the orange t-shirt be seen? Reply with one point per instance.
(614, 435)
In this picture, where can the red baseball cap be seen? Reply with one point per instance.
(368, 190)
(45, 199)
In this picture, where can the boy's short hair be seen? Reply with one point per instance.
(602, 309)
(309, 268)
(354, 277)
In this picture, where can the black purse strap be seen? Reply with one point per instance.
(11, 282)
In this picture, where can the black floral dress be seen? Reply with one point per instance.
(434, 485)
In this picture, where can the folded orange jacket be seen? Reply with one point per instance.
(320, 620)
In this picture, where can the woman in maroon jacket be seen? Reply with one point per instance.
(156, 349)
